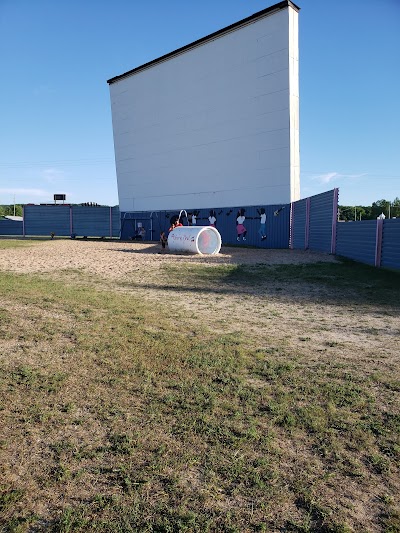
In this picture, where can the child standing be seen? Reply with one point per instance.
(163, 239)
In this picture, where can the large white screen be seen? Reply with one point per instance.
(213, 125)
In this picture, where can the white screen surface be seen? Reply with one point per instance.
(214, 125)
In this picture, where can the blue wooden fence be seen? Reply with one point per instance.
(66, 220)
(96, 221)
(314, 222)
(299, 224)
(374, 242)
(390, 256)
(11, 227)
(277, 224)
(43, 220)
(314, 226)
(323, 219)
(357, 240)
(310, 223)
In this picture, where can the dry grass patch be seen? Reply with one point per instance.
(6, 244)
(207, 398)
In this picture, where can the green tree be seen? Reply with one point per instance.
(367, 213)
(380, 206)
(346, 212)
(7, 210)
(349, 212)
(395, 210)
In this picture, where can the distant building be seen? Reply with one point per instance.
(15, 218)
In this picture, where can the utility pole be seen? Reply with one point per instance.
(355, 213)
(14, 205)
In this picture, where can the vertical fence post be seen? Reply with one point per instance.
(291, 226)
(334, 219)
(23, 221)
(307, 228)
(71, 226)
(378, 242)
(111, 229)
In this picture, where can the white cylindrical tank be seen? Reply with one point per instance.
(195, 239)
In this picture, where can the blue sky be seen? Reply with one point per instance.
(55, 58)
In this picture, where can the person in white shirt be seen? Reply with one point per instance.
(212, 219)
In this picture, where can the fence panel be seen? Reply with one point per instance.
(357, 240)
(91, 221)
(390, 257)
(130, 223)
(277, 225)
(11, 227)
(321, 216)
(299, 219)
(45, 219)
(115, 221)
(63, 220)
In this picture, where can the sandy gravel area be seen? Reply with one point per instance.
(116, 260)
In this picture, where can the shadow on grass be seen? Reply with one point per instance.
(337, 283)
(151, 248)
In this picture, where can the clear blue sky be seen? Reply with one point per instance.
(55, 58)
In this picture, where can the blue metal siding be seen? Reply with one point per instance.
(116, 221)
(45, 219)
(86, 221)
(390, 257)
(357, 240)
(277, 227)
(299, 224)
(321, 216)
(10, 227)
(91, 221)
(129, 224)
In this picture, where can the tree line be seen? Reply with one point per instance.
(361, 212)
(8, 210)
(346, 212)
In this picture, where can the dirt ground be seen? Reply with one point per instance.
(303, 315)
(117, 260)
(144, 269)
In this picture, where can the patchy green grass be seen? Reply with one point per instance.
(17, 243)
(116, 416)
(363, 281)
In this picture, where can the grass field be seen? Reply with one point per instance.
(6, 244)
(217, 398)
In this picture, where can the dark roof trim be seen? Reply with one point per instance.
(243, 22)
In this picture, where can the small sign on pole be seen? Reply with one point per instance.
(59, 197)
